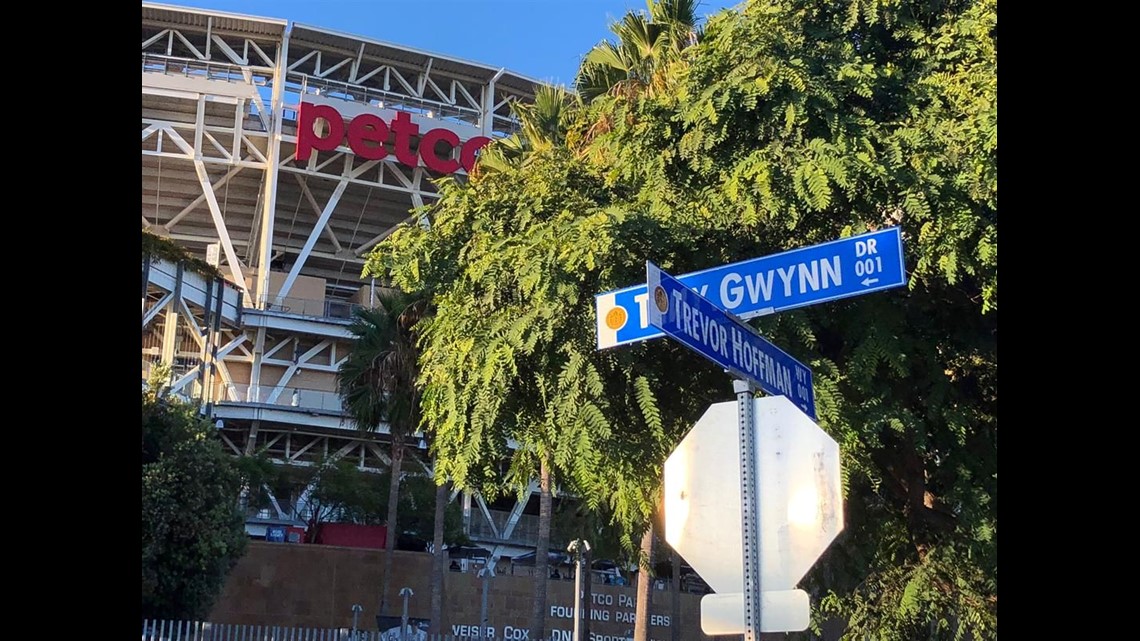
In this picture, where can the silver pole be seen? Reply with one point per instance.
(577, 595)
(749, 515)
(404, 592)
(580, 549)
(486, 576)
(356, 610)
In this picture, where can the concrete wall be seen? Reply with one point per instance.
(306, 296)
(316, 586)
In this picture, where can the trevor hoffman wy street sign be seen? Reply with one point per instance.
(698, 324)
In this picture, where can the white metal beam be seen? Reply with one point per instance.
(424, 75)
(230, 53)
(368, 75)
(264, 57)
(185, 379)
(226, 153)
(288, 375)
(253, 394)
(487, 515)
(273, 501)
(227, 380)
(463, 90)
(317, 210)
(220, 225)
(333, 68)
(170, 333)
(205, 159)
(517, 511)
(179, 141)
(400, 77)
(227, 441)
(356, 64)
(193, 49)
(354, 181)
(279, 346)
(272, 172)
(311, 241)
(236, 342)
(252, 148)
(157, 309)
(202, 198)
(302, 61)
(448, 100)
(198, 332)
(378, 453)
(155, 38)
(235, 139)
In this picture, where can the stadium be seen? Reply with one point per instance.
(275, 156)
(281, 156)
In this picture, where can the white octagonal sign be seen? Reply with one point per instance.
(800, 500)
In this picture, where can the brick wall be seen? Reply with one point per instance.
(316, 585)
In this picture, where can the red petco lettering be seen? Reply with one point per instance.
(368, 133)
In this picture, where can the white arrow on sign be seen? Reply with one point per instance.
(800, 499)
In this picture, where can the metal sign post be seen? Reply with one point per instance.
(581, 551)
(749, 515)
(405, 592)
(484, 574)
(356, 610)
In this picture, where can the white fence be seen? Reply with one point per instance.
(153, 630)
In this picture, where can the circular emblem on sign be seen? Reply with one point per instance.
(616, 318)
(661, 299)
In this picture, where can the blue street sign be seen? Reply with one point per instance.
(837, 269)
(697, 323)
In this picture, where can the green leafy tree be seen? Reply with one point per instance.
(377, 382)
(192, 530)
(543, 125)
(802, 122)
(339, 491)
(648, 44)
(789, 124)
(507, 354)
(418, 501)
(260, 479)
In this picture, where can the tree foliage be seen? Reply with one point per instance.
(638, 62)
(417, 510)
(192, 531)
(340, 492)
(377, 382)
(788, 124)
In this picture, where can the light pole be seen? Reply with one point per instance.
(581, 550)
(405, 592)
(485, 573)
(356, 610)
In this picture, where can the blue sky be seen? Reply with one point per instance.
(542, 39)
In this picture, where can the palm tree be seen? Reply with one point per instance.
(647, 43)
(543, 126)
(377, 382)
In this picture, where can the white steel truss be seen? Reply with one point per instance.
(219, 121)
(220, 105)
